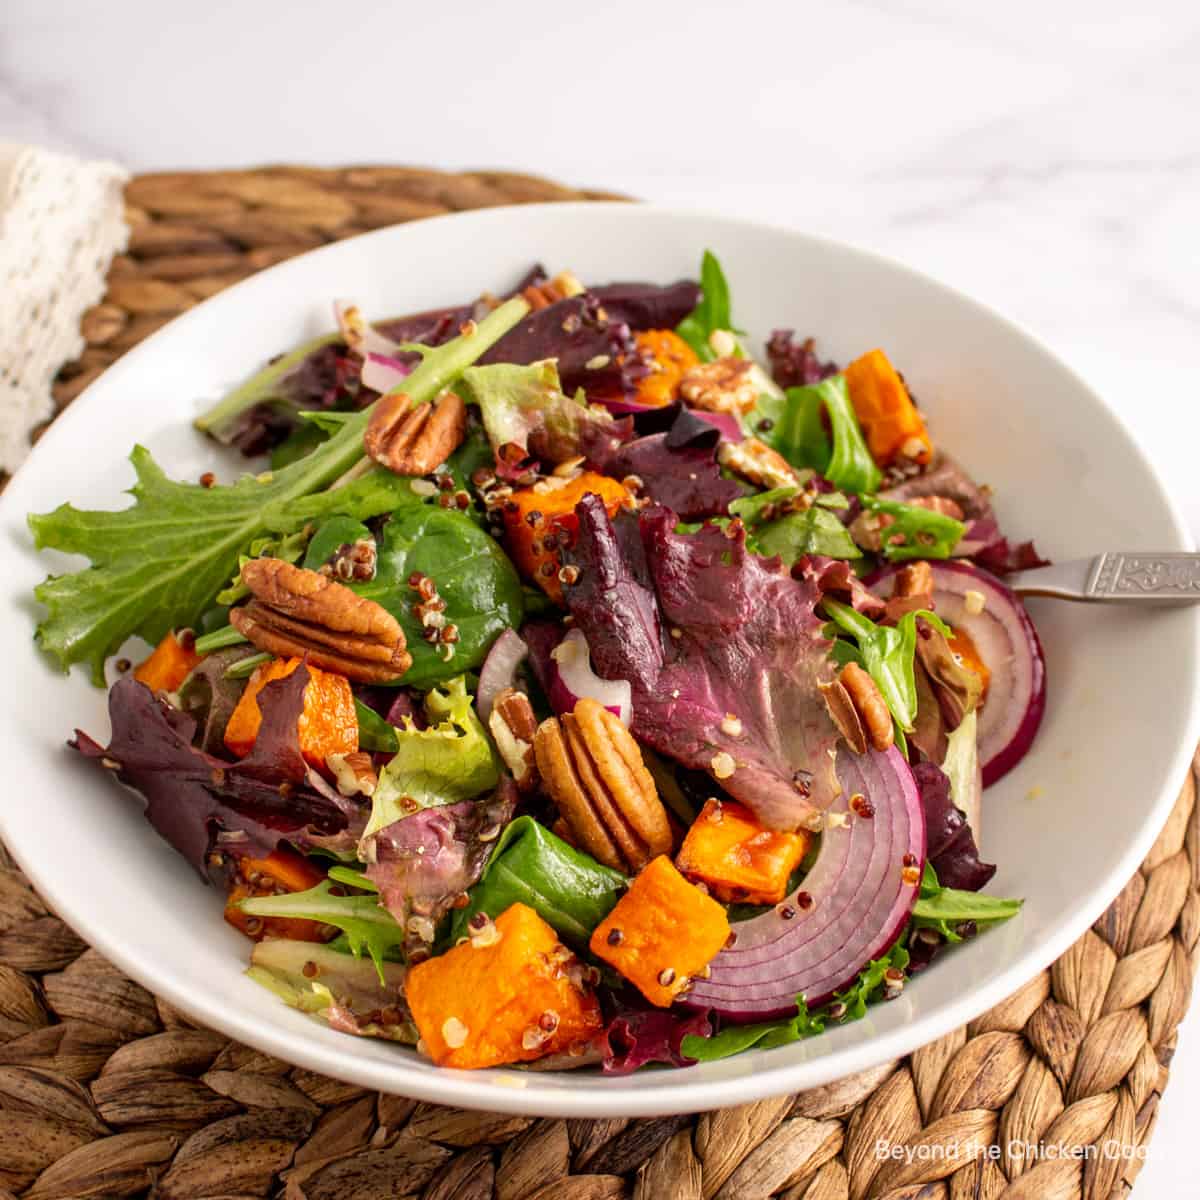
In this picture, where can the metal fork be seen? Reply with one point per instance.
(1116, 578)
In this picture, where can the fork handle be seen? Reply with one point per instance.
(1116, 577)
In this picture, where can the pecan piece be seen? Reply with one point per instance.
(594, 772)
(754, 460)
(353, 773)
(297, 612)
(858, 710)
(413, 441)
(561, 287)
(912, 590)
(725, 385)
(513, 727)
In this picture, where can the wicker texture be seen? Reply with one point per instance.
(105, 1091)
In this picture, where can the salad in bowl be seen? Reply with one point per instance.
(569, 687)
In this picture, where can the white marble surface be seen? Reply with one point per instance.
(1043, 156)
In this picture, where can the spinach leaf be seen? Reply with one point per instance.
(473, 576)
(927, 534)
(365, 922)
(330, 536)
(568, 890)
(886, 653)
(374, 733)
(850, 1005)
(158, 564)
(814, 531)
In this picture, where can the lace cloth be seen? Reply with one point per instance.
(61, 222)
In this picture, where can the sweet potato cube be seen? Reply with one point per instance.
(537, 519)
(328, 722)
(169, 663)
(671, 358)
(662, 932)
(512, 993)
(736, 857)
(281, 871)
(888, 417)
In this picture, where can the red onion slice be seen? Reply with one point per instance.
(499, 671)
(1008, 645)
(572, 678)
(850, 908)
(381, 373)
(359, 335)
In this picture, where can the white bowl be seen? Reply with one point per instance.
(1067, 827)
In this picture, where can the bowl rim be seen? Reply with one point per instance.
(675, 1092)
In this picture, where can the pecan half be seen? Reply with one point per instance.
(724, 385)
(594, 772)
(513, 728)
(754, 460)
(858, 710)
(413, 441)
(294, 612)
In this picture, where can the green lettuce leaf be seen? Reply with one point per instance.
(449, 761)
(814, 531)
(158, 564)
(374, 733)
(927, 534)
(792, 425)
(365, 922)
(886, 652)
(944, 909)
(566, 888)
(714, 312)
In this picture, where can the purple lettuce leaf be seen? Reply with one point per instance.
(722, 649)
(202, 804)
(649, 305)
(685, 478)
(424, 862)
(594, 350)
(639, 1036)
(950, 844)
(836, 577)
(795, 363)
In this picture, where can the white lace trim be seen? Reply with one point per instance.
(61, 222)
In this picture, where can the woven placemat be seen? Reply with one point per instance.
(106, 1091)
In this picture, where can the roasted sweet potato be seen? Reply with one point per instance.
(671, 358)
(169, 664)
(328, 724)
(662, 932)
(537, 519)
(281, 871)
(888, 417)
(512, 993)
(738, 858)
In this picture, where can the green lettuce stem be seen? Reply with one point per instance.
(260, 386)
(219, 639)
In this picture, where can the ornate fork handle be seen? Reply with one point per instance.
(1117, 578)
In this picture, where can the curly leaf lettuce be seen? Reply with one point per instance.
(450, 761)
(158, 564)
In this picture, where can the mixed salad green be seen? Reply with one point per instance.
(564, 684)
